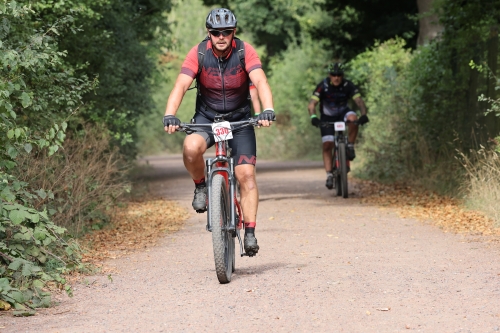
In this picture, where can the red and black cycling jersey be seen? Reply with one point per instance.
(333, 99)
(223, 82)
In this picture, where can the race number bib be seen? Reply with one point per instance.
(222, 131)
(340, 126)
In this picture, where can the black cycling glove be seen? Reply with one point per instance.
(171, 120)
(363, 119)
(315, 121)
(268, 114)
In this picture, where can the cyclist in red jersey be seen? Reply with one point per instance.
(223, 90)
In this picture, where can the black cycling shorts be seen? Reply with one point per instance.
(327, 133)
(243, 144)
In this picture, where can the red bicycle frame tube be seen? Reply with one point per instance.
(221, 151)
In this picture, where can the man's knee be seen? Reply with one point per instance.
(194, 146)
(328, 146)
(245, 174)
(352, 117)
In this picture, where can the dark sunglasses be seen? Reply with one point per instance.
(225, 33)
(334, 75)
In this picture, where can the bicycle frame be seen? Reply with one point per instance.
(222, 164)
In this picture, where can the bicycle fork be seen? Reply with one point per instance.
(234, 205)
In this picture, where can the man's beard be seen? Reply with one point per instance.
(223, 47)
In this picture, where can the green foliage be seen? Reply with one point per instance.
(275, 24)
(185, 34)
(347, 27)
(350, 27)
(117, 42)
(389, 138)
(38, 92)
(428, 100)
(294, 75)
(32, 250)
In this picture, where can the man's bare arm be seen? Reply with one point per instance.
(312, 106)
(177, 94)
(361, 104)
(254, 96)
(259, 79)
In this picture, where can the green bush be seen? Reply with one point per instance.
(116, 42)
(38, 92)
(293, 77)
(388, 140)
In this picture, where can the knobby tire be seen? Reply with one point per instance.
(343, 169)
(336, 174)
(222, 240)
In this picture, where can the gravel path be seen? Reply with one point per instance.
(326, 264)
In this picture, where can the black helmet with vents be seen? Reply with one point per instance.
(336, 68)
(221, 18)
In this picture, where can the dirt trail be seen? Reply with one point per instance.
(326, 264)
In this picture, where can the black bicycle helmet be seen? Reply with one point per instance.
(336, 68)
(221, 18)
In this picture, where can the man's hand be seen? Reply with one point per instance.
(363, 119)
(315, 120)
(171, 123)
(266, 118)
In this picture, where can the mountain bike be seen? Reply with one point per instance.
(341, 165)
(224, 214)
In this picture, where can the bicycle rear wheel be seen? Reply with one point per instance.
(343, 169)
(222, 239)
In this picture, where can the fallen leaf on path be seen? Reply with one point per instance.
(383, 309)
(4, 306)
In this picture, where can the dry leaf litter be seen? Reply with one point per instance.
(445, 212)
(138, 225)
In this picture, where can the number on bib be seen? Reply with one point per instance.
(340, 126)
(222, 131)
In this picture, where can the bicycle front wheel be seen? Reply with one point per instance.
(222, 239)
(343, 169)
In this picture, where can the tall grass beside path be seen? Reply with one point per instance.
(482, 182)
(86, 178)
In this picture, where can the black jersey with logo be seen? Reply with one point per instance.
(333, 99)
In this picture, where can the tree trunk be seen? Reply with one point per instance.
(429, 27)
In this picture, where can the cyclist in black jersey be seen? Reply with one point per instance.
(332, 94)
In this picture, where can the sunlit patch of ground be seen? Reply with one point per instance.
(447, 213)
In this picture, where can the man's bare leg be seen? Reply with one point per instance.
(194, 148)
(353, 128)
(328, 162)
(245, 174)
(353, 133)
(328, 155)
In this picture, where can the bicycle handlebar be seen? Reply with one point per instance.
(235, 125)
(332, 123)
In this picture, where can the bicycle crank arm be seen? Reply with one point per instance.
(242, 252)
